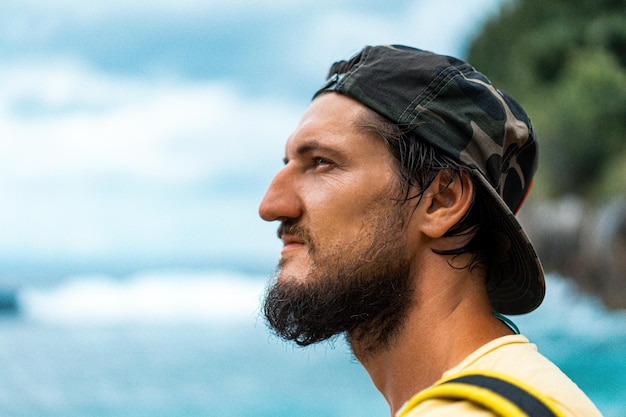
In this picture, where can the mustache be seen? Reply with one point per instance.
(289, 227)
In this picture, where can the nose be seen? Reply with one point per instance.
(281, 201)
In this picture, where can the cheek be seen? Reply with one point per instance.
(349, 223)
(341, 211)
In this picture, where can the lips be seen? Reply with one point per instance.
(293, 236)
(291, 240)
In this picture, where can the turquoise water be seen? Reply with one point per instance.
(191, 344)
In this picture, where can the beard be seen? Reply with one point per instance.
(361, 289)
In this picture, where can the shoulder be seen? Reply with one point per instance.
(518, 360)
(446, 408)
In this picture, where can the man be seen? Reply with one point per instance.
(396, 207)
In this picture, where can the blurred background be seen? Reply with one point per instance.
(137, 139)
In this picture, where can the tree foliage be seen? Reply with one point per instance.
(566, 63)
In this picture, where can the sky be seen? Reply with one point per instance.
(138, 132)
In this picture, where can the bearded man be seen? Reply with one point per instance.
(396, 207)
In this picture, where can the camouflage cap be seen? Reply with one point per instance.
(453, 107)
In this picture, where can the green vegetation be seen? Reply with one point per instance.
(565, 61)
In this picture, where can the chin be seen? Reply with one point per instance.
(293, 269)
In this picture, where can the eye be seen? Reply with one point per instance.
(321, 162)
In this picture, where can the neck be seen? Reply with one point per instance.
(442, 327)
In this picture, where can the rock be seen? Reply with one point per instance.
(582, 243)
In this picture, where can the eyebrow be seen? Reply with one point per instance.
(311, 146)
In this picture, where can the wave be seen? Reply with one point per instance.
(158, 296)
(227, 297)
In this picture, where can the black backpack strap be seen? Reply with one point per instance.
(499, 393)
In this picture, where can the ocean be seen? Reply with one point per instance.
(191, 343)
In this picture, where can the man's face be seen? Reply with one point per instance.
(345, 262)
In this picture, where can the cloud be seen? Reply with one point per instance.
(92, 163)
(61, 121)
(153, 128)
(104, 9)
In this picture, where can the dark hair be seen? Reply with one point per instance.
(418, 164)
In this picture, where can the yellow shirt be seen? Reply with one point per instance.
(516, 357)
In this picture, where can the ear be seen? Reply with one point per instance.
(445, 202)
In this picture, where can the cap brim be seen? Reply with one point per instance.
(516, 283)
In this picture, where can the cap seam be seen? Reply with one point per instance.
(429, 93)
(439, 82)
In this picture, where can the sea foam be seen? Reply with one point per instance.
(158, 296)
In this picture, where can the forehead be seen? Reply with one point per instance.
(333, 120)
